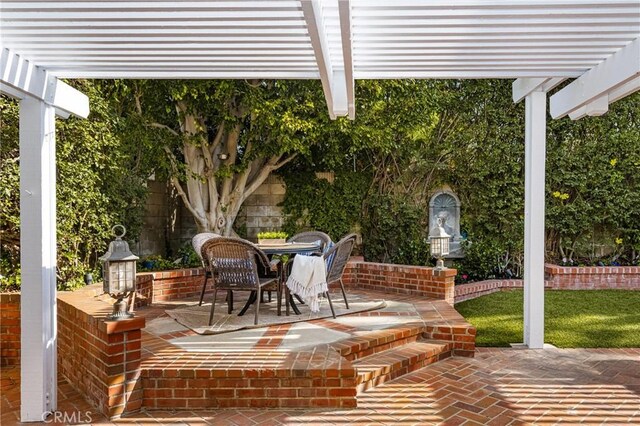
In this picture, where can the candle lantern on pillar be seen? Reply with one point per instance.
(119, 275)
(439, 244)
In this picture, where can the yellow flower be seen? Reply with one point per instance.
(556, 194)
(564, 196)
(618, 241)
(613, 162)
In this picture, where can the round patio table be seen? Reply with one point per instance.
(290, 249)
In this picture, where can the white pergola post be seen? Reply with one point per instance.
(37, 259)
(534, 211)
(42, 97)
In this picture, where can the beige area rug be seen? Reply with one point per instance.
(197, 317)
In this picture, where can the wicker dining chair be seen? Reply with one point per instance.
(312, 237)
(336, 259)
(197, 242)
(234, 266)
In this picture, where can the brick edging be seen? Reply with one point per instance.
(593, 277)
(481, 288)
(561, 278)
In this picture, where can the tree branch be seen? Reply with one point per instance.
(216, 140)
(232, 147)
(260, 177)
(164, 127)
(185, 199)
(285, 161)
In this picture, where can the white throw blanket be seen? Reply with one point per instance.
(308, 279)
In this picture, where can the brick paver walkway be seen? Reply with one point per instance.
(498, 387)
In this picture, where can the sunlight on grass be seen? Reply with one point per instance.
(573, 319)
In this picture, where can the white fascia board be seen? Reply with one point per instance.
(333, 80)
(21, 78)
(611, 74)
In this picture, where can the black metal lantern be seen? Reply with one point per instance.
(439, 244)
(119, 275)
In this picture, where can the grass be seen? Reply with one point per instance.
(573, 318)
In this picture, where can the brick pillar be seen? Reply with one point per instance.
(445, 283)
(9, 329)
(122, 355)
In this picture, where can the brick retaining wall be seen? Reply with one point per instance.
(99, 358)
(161, 286)
(401, 279)
(481, 288)
(9, 329)
(561, 278)
(593, 278)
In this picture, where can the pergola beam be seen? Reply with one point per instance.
(344, 9)
(598, 83)
(524, 86)
(333, 78)
(21, 79)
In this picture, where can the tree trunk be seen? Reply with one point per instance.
(215, 201)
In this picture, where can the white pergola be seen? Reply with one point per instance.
(538, 43)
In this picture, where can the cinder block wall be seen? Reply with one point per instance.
(260, 211)
(166, 222)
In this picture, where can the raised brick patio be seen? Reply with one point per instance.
(121, 367)
(318, 375)
(497, 387)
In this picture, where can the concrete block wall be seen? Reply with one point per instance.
(167, 222)
(261, 211)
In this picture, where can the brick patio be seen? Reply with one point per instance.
(264, 373)
(498, 387)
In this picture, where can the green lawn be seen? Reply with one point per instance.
(573, 319)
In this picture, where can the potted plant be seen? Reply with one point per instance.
(272, 237)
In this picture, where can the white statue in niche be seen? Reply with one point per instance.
(448, 222)
(445, 205)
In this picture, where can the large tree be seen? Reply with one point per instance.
(221, 139)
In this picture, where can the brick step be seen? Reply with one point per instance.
(381, 367)
(378, 341)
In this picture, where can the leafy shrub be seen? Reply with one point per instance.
(100, 183)
(312, 203)
(396, 231)
(487, 259)
(187, 258)
(272, 235)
